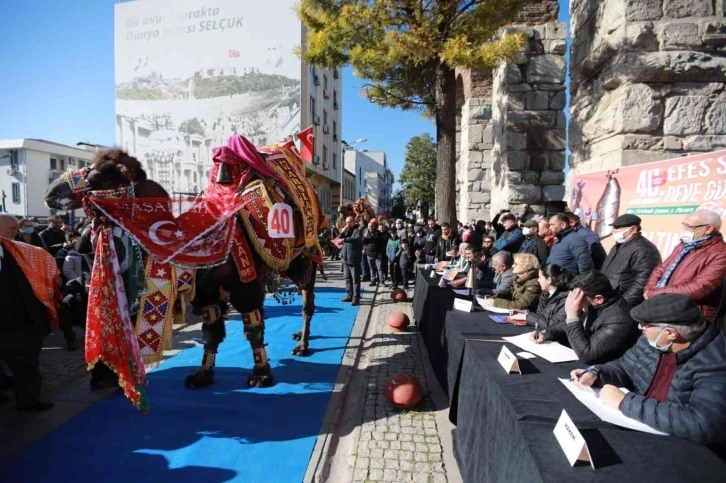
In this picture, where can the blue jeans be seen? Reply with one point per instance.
(364, 270)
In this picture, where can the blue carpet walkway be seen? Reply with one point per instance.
(225, 432)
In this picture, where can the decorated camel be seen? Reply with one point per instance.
(360, 210)
(149, 249)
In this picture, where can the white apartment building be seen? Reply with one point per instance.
(29, 166)
(373, 178)
(322, 107)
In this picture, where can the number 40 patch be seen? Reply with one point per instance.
(279, 221)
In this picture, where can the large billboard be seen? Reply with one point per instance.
(189, 74)
(662, 194)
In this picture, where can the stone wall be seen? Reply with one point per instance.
(529, 123)
(647, 80)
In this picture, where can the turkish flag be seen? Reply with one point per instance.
(234, 53)
(307, 142)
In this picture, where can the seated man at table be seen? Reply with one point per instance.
(676, 373)
(525, 287)
(598, 325)
(501, 284)
(478, 258)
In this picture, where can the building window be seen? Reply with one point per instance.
(360, 173)
(325, 157)
(53, 163)
(16, 193)
(365, 183)
(63, 164)
(325, 81)
(335, 130)
(14, 159)
(335, 162)
(325, 117)
(335, 99)
(312, 107)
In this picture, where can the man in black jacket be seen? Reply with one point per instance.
(432, 241)
(351, 255)
(373, 244)
(598, 326)
(676, 373)
(446, 242)
(24, 324)
(533, 243)
(631, 260)
(54, 237)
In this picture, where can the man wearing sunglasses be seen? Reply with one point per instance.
(697, 267)
(676, 372)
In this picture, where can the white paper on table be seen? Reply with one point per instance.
(496, 310)
(590, 397)
(548, 350)
(464, 292)
(526, 355)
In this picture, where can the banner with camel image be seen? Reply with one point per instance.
(662, 194)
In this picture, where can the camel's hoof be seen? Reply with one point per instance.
(297, 336)
(300, 351)
(201, 378)
(261, 377)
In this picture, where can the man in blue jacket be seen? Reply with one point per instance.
(593, 241)
(676, 372)
(570, 250)
(512, 238)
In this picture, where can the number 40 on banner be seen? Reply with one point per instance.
(279, 221)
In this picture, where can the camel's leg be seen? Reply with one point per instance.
(255, 333)
(213, 333)
(248, 299)
(303, 275)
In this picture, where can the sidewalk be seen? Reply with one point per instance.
(366, 438)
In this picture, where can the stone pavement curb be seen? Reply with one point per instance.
(363, 438)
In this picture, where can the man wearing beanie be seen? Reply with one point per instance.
(676, 372)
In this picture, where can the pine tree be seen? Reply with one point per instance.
(419, 170)
(408, 50)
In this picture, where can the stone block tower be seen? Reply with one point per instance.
(511, 143)
(647, 81)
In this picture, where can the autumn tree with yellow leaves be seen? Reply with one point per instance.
(407, 51)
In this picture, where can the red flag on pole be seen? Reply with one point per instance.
(234, 53)
(307, 143)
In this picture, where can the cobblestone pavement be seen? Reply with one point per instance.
(394, 444)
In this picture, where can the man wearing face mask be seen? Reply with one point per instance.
(631, 260)
(676, 372)
(697, 267)
(598, 325)
(533, 243)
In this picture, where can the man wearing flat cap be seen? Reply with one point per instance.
(631, 260)
(676, 372)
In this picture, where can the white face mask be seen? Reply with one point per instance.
(525, 231)
(620, 236)
(686, 236)
(654, 343)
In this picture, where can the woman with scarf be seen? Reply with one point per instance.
(525, 287)
(554, 281)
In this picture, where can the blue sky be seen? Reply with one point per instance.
(57, 81)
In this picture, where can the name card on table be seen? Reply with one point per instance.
(463, 305)
(571, 441)
(508, 361)
(433, 274)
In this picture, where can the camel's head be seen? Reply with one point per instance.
(111, 169)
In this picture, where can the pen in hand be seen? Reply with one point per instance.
(536, 331)
(589, 369)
